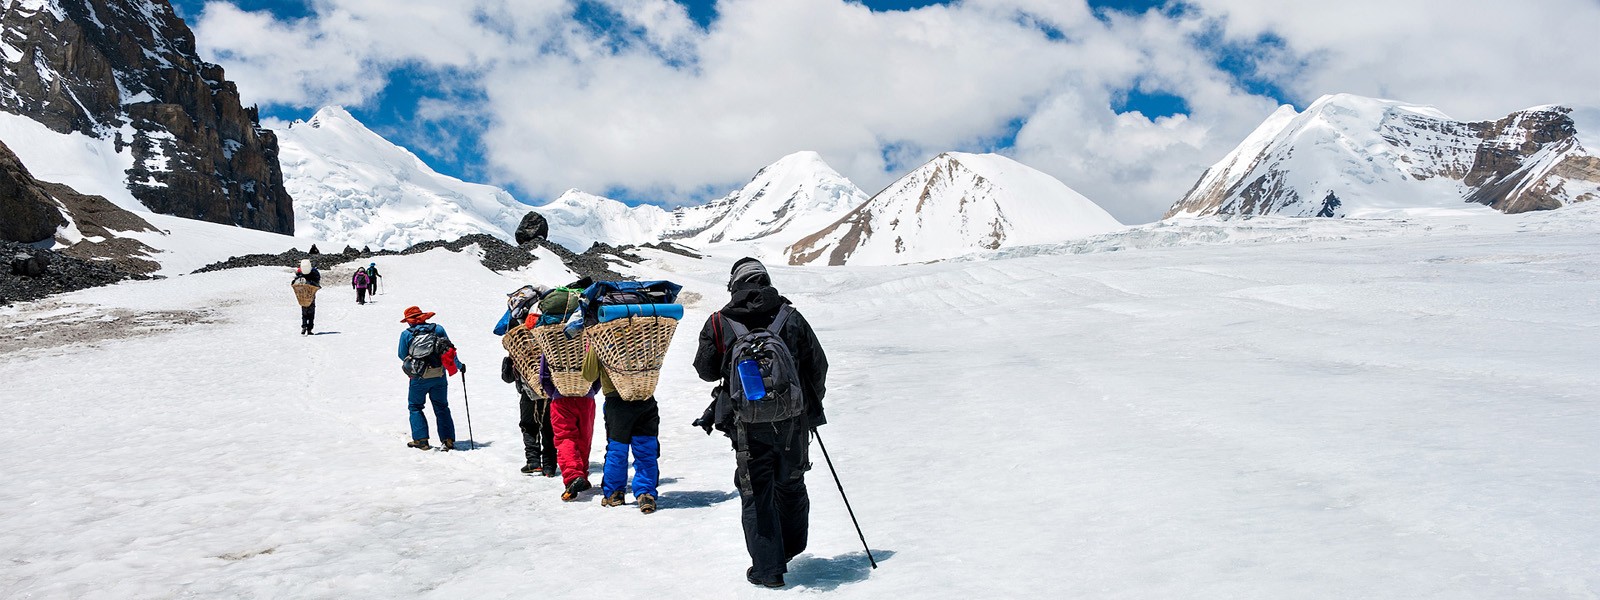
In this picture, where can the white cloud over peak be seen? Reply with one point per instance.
(650, 101)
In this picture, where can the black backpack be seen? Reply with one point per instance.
(773, 361)
(521, 303)
(426, 350)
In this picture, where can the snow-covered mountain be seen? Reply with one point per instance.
(1349, 155)
(955, 204)
(785, 201)
(579, 219)
(352, 186)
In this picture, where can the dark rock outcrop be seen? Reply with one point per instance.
(29, 215)
(109, 67)
(534, 227)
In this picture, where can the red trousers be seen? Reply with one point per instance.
(572, 422)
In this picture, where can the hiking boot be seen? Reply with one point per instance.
(550, 470)
(573, 489)
(447, 445)
(647, 503)
(420, 444)
(530, 468)
(617, 498)
(776, 581)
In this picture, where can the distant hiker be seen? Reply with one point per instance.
(533, 405)
(359, 281)
(770, 436)
(427, 356)
(307, 274)
(630, 427)
(372, 278)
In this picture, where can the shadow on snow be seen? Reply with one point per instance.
(828, 574)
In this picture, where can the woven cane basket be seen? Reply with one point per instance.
(565, 357)
(305, 293)
(632, 350)
(524, 354)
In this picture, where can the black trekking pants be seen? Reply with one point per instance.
(538, 439)
(308, 317)
(773, 460)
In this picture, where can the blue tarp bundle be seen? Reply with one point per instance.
(612, 312)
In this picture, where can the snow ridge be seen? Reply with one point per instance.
(785, 201)
(953, 205)
(353, 187)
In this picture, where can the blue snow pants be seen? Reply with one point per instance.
(434, 388)
(631, 426)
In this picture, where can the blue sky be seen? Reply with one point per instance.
(1126, 101)
(455, 148)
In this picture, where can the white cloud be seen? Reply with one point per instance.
(678, 108)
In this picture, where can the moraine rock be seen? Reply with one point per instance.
(532, 229)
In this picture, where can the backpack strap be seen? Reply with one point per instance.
(778, 320)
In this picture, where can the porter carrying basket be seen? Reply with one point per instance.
(524, 354)
(565, 358)
(305, 293)
(631, 350)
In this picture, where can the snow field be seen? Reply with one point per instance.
(1406, 415)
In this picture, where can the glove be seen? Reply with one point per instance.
(703, 424)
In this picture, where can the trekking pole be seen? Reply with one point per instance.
(835, 482)
(467, 403)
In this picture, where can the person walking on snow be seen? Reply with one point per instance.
(430, 383)
(359, 281)
(308, 274)
(772, 457)
(533, 405)
(372, 278)
(630, 426)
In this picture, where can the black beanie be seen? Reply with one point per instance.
(748, 270)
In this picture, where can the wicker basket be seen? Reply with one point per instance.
(305, 293)
(524, 355)
(565, 357)
(632, 350)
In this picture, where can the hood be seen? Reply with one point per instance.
(754, 306)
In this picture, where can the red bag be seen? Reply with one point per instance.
(449, 360)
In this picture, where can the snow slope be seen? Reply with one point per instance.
(1329, 419)
(785, 201)
(955, 204)
(87, 164)
(353, 187)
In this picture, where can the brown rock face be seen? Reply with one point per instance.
(128, 69)
(27, 214)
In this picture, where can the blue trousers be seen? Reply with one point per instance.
(631, 426)
(433, 388)
(646, 450)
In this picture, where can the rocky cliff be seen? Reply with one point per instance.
(127, 70)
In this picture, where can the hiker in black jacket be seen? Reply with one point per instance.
(307, 273)
(772, 457)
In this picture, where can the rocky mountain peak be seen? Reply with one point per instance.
(1379, 156)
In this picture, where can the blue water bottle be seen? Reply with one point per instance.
(750, 379)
